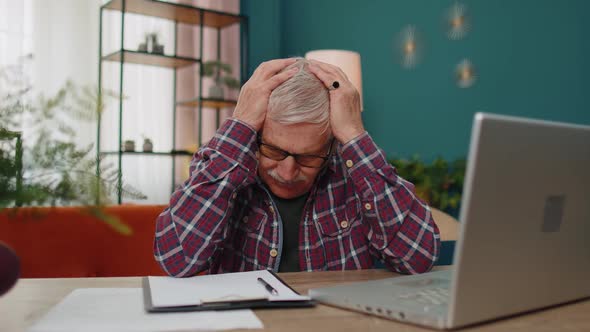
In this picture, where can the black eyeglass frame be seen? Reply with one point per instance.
(295, 155)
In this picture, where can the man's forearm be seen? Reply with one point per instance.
(402, 231)
(191, 230)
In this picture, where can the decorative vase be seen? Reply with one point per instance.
(142, 47)
(9, 268)
(216, 91)
(129, 146)
(158, 49)
(147, 145)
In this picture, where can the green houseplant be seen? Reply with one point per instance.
(41, 163)
(221, 73)
(439, 183)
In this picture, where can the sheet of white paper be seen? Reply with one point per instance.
(121, 310)
(169, 292)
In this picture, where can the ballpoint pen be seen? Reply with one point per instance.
(268, 286)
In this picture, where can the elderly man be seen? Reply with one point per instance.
(293, 182)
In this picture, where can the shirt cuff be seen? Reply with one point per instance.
(362, 157)
(236, 140)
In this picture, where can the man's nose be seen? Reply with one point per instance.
(287, 168)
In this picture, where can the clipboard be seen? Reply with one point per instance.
(229, 291)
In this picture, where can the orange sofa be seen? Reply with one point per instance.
(69, 242)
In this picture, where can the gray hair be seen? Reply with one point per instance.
(301, 99)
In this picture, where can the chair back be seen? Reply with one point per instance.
(447, 225)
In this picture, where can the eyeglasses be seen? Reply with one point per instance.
(306, 160)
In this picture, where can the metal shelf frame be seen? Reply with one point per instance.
(178, 13)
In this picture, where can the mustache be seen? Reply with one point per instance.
(273, 174)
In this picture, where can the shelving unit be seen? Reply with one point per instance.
(178, 13)
(171, 153)
(150, 59)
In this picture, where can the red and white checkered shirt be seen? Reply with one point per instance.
(359, 211)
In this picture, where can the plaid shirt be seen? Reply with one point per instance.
(223, 220)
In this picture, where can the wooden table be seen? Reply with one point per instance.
(32, 298)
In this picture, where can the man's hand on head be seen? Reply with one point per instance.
(345, 104)
(255, 94)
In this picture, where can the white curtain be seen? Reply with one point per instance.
(51, 41)
(15, 31)
(63, 36)
(15, 43)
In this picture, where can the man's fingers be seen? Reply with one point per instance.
(326, 77)
(269, 68)
(334, 70)
(280, 78)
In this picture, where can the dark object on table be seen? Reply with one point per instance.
(9, 268)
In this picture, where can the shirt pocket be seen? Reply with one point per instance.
(342, 239)
(252, 220)
(336, 223)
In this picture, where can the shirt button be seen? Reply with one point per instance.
(272, 210)
(344, 223)
(349, 163)
(368, 206)
(234, 195)
(273, 253)
(245, 219)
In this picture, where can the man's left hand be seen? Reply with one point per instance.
(345, 104)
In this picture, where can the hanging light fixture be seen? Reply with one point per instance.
(410, 47)
(457, 21)
(465, 74)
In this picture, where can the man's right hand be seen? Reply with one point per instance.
(255, 94)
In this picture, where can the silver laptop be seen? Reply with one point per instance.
(523, 243)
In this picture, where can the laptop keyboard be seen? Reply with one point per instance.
(430, 296)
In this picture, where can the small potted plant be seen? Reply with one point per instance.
(129, 145)
(221, 73)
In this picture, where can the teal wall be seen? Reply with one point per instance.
(264, 30)
(530, 57)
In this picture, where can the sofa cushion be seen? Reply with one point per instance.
(69, 242)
